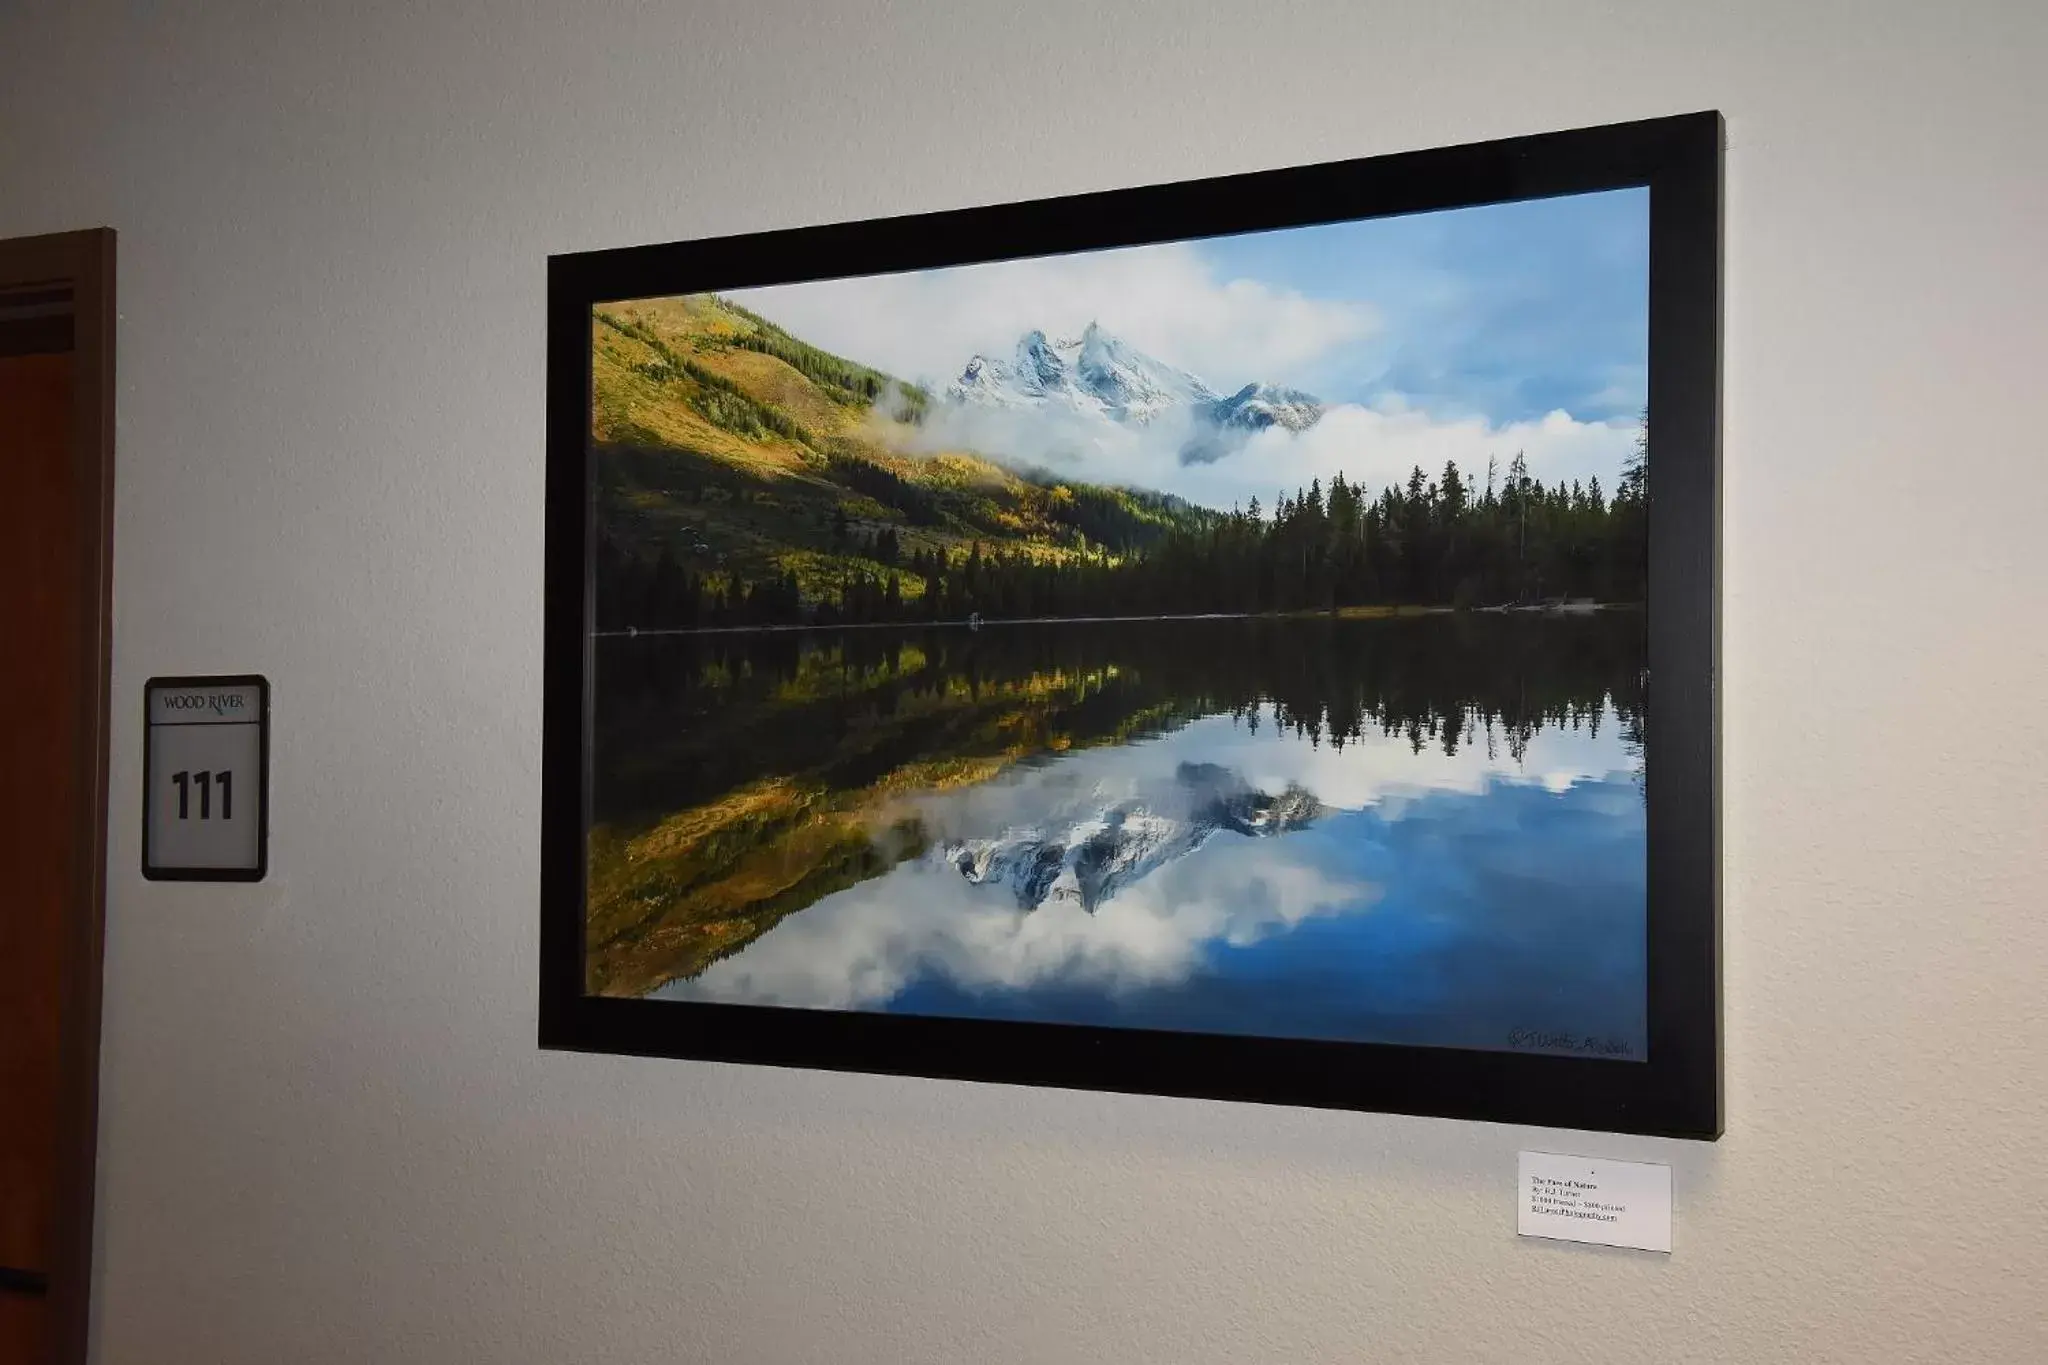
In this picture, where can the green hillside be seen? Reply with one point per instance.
(752, 477)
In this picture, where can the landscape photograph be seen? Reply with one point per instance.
(1244, 635)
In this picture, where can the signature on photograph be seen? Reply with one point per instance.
(1559, 1040)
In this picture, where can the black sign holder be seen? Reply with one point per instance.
(262, 721)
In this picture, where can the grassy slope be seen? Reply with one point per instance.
(702, 441)
(667, 900)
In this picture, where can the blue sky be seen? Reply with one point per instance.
(1510, 311)
(1468, 335)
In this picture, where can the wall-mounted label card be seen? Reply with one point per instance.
(206, 779)
(1585, 1199)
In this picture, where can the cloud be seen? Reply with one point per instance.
(1167, 300)
(861, 947)
(1373, 771)
(1379, 446)
(1369, 446)
(1385, 771)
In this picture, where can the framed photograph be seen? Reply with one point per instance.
(1251, 638)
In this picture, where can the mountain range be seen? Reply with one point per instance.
(1100, 377)
(1090, 858)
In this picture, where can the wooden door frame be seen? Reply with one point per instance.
(83, 261)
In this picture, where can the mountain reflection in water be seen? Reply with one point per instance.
(1086, 856)
(1416, 830)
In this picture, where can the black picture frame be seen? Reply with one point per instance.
(1676, 1091)
(150, 870)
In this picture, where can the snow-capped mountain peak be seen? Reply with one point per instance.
(1095, 373)
(1258, 406)
(1101, 376)
(1131, 385)
(1043, 367)
(1089, 856)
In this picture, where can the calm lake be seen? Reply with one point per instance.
(1423, 830)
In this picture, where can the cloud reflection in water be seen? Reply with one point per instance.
(1449, 900)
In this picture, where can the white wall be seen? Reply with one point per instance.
(327, 1134)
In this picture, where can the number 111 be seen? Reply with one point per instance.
(205, 782)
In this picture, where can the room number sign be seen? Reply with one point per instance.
(206, 779)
